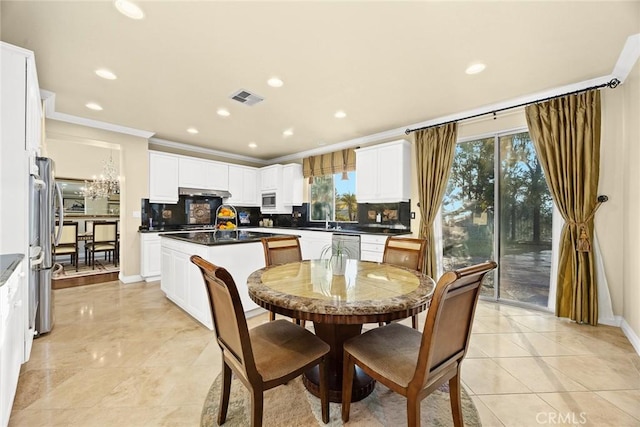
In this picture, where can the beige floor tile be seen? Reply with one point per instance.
(537, 344)
(613, 372)
(485, 376)
(498, 345)
(126, 355)
(84, 389)
(537, 375)
(521, 410)
(499, 324)
(148, 386)
(487, 418)
(589, 409)
(627, 400)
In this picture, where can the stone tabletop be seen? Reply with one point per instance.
(367, 289)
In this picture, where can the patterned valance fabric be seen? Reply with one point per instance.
(326, 164)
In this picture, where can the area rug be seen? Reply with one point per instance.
(66, 270)
(293, 405)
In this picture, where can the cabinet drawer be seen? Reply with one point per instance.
(372, 247)
(373, 238)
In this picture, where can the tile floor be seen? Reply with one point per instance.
(125, 355)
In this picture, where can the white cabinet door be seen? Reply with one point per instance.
(384, 173)
(243, 183)
(150, 256)
(367, 176)
(269, 177)
(192, 173)
(251, 195)
(372, 247)
(163, 178)
(167, 283)
(216, 176)
(292, 184)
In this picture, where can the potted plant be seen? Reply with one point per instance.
(336, 256)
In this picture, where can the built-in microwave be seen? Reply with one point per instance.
(268, 200)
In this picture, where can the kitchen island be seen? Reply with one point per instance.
(240, 252)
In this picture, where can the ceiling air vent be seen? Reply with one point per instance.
(245, 97)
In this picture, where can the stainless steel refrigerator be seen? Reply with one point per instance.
(45, 209)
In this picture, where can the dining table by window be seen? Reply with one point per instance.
(338, 306)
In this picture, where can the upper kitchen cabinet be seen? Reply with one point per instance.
(205, 174)
(163, 177)
(271, 177)
(243, 186)
(292, 184)
(384, 173)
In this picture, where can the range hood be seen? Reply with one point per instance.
(184, 191)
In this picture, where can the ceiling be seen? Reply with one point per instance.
(387, 65)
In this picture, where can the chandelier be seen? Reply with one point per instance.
(104, 186)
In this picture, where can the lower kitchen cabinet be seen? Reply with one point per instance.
(150, 258)
(12, 339)
(372, 247)
(182, 281)
(312, 243)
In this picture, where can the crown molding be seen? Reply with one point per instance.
(49, 100)
(628, 58)
(209, 151)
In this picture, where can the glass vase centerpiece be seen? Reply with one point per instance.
(335, 257)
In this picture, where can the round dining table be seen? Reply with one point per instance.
(338, 306)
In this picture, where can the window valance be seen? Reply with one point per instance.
(326, 164)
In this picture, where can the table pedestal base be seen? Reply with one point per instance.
(335, 336)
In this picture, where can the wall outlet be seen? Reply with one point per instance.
(413, 215)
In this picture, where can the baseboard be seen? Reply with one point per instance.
(152, 279)
(130, 279)
(611, 321)
(631, 335)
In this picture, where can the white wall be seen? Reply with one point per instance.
(630, 243)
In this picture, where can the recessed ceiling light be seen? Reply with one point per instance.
(475, 68)
(340, 114)
(223, 112)
(275, 82)
(287, 132)
(192, 131)
(129, 9)
(93, 106)
(106, 74)
(252, 145)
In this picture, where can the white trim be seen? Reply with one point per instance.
(152, 278)
(50, 112)
(627, 59)
(20, 50)
(611, 321)
(130, 279)
(631, 335)
(210, 151)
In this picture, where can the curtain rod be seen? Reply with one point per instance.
(613, 83)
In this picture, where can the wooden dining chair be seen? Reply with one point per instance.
(68, 244)
(104, 239)
(415, 364)
(405, 252)
(281, 250)
(264, 357)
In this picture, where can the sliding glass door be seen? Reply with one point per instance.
(497, 206)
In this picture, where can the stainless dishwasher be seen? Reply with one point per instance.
(351, 242)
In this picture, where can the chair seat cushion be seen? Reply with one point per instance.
(280, 347)
(101, 247)
(391, 350)
(63, 250)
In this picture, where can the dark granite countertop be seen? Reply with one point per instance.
(351, 229)
(214, 238)
(8, 264)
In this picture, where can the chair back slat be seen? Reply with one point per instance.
(105, 232)
(229, 320)
(405, 252)
(281, 250)
(69, 234)
(447, 329)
